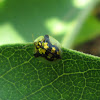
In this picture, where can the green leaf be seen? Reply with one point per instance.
(24, 77)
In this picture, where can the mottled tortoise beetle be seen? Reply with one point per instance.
(47, 47)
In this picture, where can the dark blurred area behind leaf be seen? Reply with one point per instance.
(92, 46)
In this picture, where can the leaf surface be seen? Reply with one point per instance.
(23, 77)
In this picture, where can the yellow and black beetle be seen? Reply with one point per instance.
(47, 47)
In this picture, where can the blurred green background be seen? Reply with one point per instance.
(74, 23)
